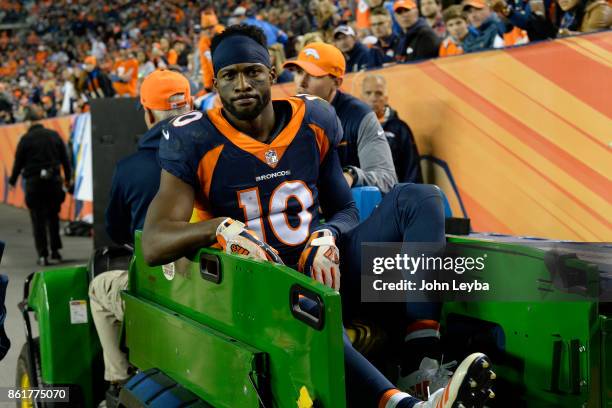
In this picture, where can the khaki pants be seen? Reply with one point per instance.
(107, 311)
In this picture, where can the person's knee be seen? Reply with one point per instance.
(103, 286)
(409, 196)
(416, 192)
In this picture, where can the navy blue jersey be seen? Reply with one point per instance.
(273, 187)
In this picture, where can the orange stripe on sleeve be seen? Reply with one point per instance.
(322, 141)
(207, 166)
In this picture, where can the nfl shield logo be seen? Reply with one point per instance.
(271, 157)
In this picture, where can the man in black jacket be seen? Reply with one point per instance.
(418, 40)
(403, 148)
(40, 153)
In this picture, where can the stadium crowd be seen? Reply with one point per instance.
(61, 54)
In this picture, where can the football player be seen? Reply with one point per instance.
(257, 171)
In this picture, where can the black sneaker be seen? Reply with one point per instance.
(42, 261)
(56, 256)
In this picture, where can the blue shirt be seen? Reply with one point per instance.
(273, 33)
(135, 183)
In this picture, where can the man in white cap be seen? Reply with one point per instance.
(358, 57)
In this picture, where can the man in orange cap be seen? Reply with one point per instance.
(418, 39)
(364, 153)
(163, 95)
(488, 27)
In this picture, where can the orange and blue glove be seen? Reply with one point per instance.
(235, 239)
(320, 259)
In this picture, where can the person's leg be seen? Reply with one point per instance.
(36, 204)
(107, 312)
(409, 213)
(365, 385)
(5, 343)
(54, 225)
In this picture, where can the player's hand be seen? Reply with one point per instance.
(321, 259)
(235, 239)
(349, 178)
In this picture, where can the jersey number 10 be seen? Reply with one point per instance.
(250, 202)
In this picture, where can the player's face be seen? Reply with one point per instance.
(457, 28)
(245, 89)
(381, 26)
(373, 93)
(323, 87)
(406, 18)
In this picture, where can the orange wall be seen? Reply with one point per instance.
(9, 137)
(526, 133)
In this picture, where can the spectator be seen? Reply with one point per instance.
(583, 17)
(273, 34)
(519, 13)
(298, 22)
(96, 83)
(489, 27)
(306, 39)
(432, 11)
(210, 28)
(364, 152)
(457, 28)
(145, 66)
(387, 40)
(387, 5)
(358, 56)
(48, 105)
(125, 74)
(277, 56)
(325, 14)
(401, 141)
(418, 40)
(39, 156)
(69, 93)
(183, 54)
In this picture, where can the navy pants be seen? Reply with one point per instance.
(408, 213)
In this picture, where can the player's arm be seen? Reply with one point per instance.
(19, 162)
(339, 209)
(167, 234)
(374, 156)
(118, 217)
(321, 257)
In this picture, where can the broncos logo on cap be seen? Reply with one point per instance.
(312, 53)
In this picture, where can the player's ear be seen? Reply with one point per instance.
(273, 75)
(215, 84)
(338, 81)
(150, 116)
